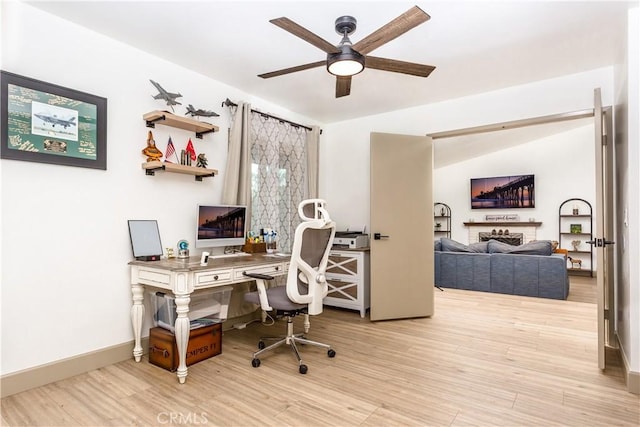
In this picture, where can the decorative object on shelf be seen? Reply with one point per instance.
(575, 228)
(506, 232)
(183, 249)
(169, 97)
(151, 151)
(200, 112)
(494, 232)
(171, 151)
(443, 211)
(576, 244)
(189, 154)
(202, 161)
(438, 225)
(512, 217)
(575, 210)
(170, 253)
(575, 263)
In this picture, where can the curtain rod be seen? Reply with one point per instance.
(228, 103)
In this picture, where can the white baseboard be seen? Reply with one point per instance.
(631, 378)
(17, 382)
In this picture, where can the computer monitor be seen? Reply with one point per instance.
(220, 225)
(145, 239)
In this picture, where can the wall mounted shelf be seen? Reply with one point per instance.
(170, 119)
(150, 168)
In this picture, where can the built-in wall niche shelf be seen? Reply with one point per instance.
(169, 119)
(150, 168)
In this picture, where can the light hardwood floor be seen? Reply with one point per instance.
(482, 359)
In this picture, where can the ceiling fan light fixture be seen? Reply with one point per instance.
(348, 62)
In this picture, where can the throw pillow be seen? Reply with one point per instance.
(539, 247)
(437, 246)
(449, 245)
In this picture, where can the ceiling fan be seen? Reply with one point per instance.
(346, 59)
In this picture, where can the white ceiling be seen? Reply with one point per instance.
(476, 46)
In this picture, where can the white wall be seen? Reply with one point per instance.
(563, 165)
(65, 244)
(344, 156)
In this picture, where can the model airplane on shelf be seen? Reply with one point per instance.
(200, 112)
(169, 97)
(54, 120)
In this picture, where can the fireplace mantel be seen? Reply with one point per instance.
(511, 223)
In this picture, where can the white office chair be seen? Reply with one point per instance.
(306, 286)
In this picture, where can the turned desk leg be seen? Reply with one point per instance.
(182, 334)
(137, 314)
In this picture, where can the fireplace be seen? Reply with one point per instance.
(525, 231)
(514, 239)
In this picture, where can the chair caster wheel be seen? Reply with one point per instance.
(331, 353)
(261, 345)
(255, 363)
(303, 369)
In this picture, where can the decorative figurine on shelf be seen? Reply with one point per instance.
(202, 161)
(151, 151)
(170, 253)
(575, 263)
(442, 212)
(576, 244)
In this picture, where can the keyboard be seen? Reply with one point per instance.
(237, 254)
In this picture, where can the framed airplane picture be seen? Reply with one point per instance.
(46, 123)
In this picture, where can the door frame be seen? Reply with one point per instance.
(606, 302)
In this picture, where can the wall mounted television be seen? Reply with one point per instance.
(503, 192)
(220, 225)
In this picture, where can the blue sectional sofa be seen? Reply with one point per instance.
(531, 269)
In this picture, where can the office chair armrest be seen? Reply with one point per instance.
(262, 289)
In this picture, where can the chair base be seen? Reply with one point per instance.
(291, 339)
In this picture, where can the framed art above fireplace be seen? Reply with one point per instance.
(503, 192)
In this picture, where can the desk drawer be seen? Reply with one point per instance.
(208, 278)
(271, 269)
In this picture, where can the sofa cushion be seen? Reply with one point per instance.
(448, 245)
(539, 247)
(437, 246)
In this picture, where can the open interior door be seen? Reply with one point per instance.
(603, 241)
(402, 276)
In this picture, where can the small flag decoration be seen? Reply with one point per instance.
(171, 150)
(191, 150)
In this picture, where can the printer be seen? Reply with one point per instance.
(350, 239)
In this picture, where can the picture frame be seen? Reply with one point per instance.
(575, 228)
(46, 123)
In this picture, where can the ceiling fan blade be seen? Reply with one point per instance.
(396, 66)
(292, 69)
(403, 23)
(343, 86)
(306, 35)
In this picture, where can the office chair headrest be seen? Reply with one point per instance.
(313, 209)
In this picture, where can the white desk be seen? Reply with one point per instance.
(184, 276)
